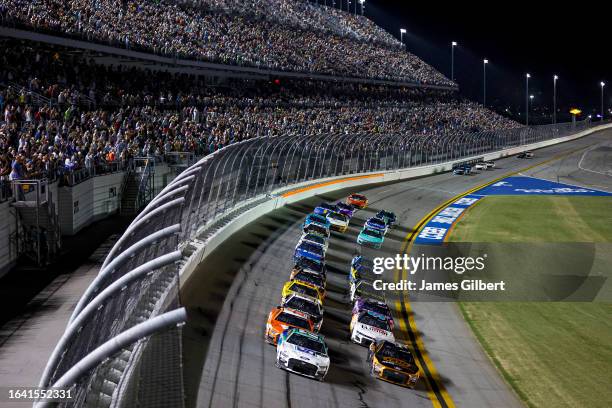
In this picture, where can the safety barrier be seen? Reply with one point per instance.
(139, 279)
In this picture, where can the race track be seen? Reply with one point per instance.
(227, 362)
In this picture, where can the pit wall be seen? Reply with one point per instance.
(301, 191)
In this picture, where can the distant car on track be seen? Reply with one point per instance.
(315, 239)
(325, 208)
(338, 222)
(377, 224)
(388, 217)
(370, 237)
(317, 280)
(364, 290)
(302, 288)
(393, 362)
(316, 219)
(281, 319)
(302, 352)
(305, 304)
(525, 155)
(362, 305)
(316, 229)
(357, 200)
(345, 209)
(309, 265)
(463, 170)
(309, 251)
(480, 166)
(367, 327)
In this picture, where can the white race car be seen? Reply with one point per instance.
(480, 166)
(338, 222)
(362, 289)
(314, 239)
(302, 352)
(367, 327)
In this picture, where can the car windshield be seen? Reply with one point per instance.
(376, 221)
(385, 214)
(303, 305)
(365, 289)
(315, 238)
(318, 218)
(337, 216)
(313, 248)
(307, 342)
(364, 262)
(311, 278)
(317, 229)
(358, 197)
(392, 351)
(365, 273)
(310, 264)
(371, 233)
(376, 308)
(293, 320)
(327, 206)
(374, 321)
(344, 206)
(304, 290)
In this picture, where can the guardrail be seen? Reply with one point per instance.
(139, 279)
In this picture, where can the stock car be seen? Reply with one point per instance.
(308, 265)
(302, 288)
(361, 260)
(377, 224)
(370, 237)
(362, 272)
(357, 200)
(309, 250)
(325, 208)
(525, 155)
(480, 166)
(316, 229)
(346, 209)
(307, 305)
(381, 308)
(302, 352)
(283, 318)
(338, 222)
(316, 219)
(393, 362)
(388, 217)
(314, 239)
(463, 170)
(314, 279)
(367, 327)
(487, 164)
(364, 290)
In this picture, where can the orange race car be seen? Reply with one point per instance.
(283, 318)
(357, 200)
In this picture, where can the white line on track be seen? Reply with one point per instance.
(589, 170)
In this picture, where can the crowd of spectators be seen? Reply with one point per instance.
(284, 35)
(112, 113)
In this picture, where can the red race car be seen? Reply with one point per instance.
(357, 200)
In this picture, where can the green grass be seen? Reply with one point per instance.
(554, 354)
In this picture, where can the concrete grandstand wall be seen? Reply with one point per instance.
(308, 189)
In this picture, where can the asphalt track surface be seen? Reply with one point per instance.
(227, 362)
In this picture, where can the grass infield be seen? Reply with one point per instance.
(554, 354)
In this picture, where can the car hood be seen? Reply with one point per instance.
(305, 354)
(375, 332)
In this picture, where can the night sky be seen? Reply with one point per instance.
(570, 40)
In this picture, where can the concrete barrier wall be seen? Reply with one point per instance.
(308, 189)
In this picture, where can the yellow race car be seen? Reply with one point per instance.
(303, 288)
(393, 362)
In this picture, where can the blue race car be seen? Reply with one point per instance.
(309, 251)
(376, 224)
(316, 229)
(388, 217)
(310, 265)
(370, 237)
(325, 208)
(359, 260)
(316, 219)
(344, 208)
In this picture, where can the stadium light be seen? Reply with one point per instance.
(554, 118)
(402, 32)
(484, 81)
(602, 83)
(453, 45)
(527, 76)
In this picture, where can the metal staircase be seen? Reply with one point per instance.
(39, 235)
(138, 187)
